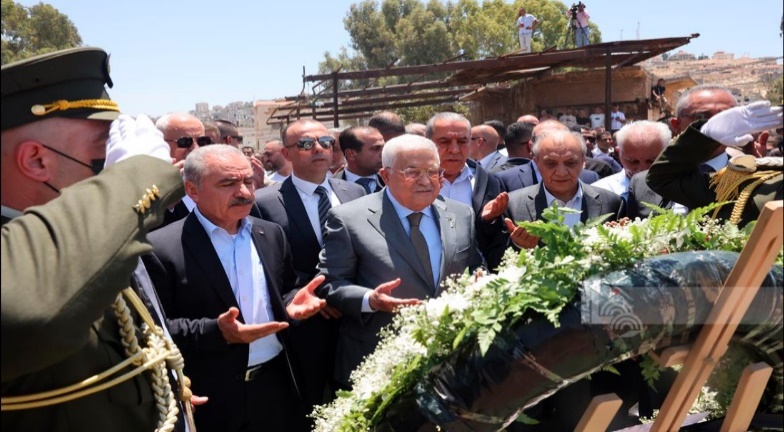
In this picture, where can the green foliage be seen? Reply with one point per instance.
(651, 371)
(39, 29)
(413, 32)
(775, 93)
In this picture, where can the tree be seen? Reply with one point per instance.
(409, 32)
(39, 29)
(775, 91)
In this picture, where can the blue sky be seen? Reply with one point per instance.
(169, 54)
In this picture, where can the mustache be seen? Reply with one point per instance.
(240, 202)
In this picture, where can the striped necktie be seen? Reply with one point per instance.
(324, 205)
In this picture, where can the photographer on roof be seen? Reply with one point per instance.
(579, 24)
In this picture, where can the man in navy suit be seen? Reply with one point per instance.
(299, 205)
(221, 276)
(362, 146)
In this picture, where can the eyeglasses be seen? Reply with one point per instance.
(236, 138)
(699, 116)
(476, 138)
(417, 173)
(307, 143)
(187, 142)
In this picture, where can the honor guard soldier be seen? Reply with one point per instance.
(81, 351)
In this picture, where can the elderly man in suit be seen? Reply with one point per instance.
(220, 276)
(639, 143)
(559, 155)
(698, 103)
(404, 238)
(528, 174)
(299, 204)
(467, 182)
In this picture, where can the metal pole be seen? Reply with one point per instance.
(607, 88)
(335, 119)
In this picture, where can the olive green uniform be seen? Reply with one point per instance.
(63, 264)
(675, 176)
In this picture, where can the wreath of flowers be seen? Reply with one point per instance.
(543, 279)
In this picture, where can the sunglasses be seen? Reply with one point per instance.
(325, 142)
(187, 142)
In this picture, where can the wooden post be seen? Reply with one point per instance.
(732, 303)
(600, 413)
(335, 119)
(747, 396)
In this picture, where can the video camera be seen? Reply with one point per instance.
(575, 8)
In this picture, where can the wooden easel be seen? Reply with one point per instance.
(698, 360)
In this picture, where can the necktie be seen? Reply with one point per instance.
(365, 183)
(420, 244)
(533, 177)
(324, 205)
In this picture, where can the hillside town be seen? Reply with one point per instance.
(747, 78)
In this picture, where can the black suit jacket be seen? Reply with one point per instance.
(315, 339)
(280, 203)
(639, 192)
(491, 238)
(527, 204)
(194, 290)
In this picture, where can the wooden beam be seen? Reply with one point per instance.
(599, 414)
(391, 106)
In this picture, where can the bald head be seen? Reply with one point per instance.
(388, 123)
(180, 125)
(528, 118)
(484, 140)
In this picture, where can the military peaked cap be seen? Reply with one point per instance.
(67, 83)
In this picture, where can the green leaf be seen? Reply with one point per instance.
(522, 418)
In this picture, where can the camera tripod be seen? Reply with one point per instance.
(574, 29)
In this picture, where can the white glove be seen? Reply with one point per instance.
(734, 126)
(130, 137)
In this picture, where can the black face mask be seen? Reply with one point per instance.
(96, 165)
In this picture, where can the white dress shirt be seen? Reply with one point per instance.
(617, 183)
(277, 177)
(462, 189)
(309, 197)
(429, 228)
(245, 271)
(188, 203)
(351, 177)
(576, 203)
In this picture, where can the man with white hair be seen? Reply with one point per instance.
(639, 144)
(404, 238)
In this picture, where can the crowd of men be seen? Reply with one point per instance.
(275, 272)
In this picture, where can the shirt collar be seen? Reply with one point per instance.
(575, 199)
(351, 177)
(465, 174)
(10, 213)
(486, 160)
(212, 228)
(308, 187)
(718, 162)
(402, 211)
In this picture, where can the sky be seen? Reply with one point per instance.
(167, 55)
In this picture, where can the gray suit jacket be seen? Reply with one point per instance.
(528, 203)
(639, 193)
(365, 246)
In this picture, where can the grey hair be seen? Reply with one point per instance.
(685, 99)
(406, 142)
(444, 116)
(196, 166)
(558, 135)
(163, 123)
(644, 129)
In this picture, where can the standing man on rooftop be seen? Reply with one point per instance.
(526, 24)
